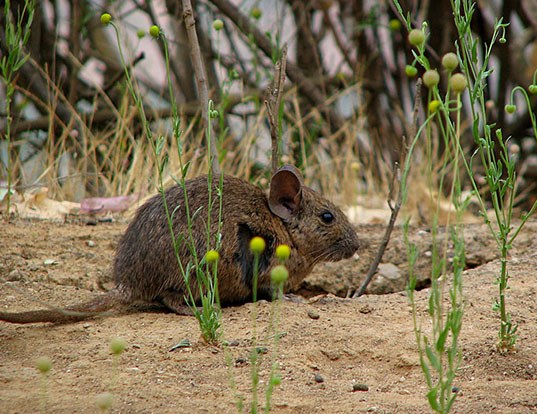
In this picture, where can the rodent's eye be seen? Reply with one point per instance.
(327, 217)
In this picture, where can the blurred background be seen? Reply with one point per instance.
(347, 104)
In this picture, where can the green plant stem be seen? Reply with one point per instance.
(16, 37)
(254, 356)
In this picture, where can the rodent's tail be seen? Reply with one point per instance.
(93, 308)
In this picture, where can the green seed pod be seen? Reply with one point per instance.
(395, 25)
(212, 256)
(283, 252)
(532, 89)
(458, 83)
(117, 346)
(276, 380)
(279, 274)
(106, 18)
(431, 78)
(256, 13)
(140, 33)
(43, 364)
(434, 105)
(510, 108)
(218, 24)
(410, 71)
(450, 61)
(416, 37)
(257, 245)
(154, 31)
(104, 401)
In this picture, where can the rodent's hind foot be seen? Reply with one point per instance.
(171, 300)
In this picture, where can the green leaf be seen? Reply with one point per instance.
(431, 356)
(432, 398)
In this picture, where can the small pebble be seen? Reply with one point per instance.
(360, 387)
(240, 361)
(313, 314)
(455, 390)
(319, 378)
(90, 243)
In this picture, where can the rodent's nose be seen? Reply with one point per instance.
(352, 244)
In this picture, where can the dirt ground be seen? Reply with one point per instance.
(328, 346)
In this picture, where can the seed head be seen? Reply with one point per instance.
(279, 274)
(154, 31)
(117, 346)
(43, 364)
(395, 25)
(212, 256)
(106, 18)
(431, 78)
(434, 105)
(410, 71)
(283, 252)
(257, 245)
(458, 83)
(510, 108)
(104, 401)
(450, 61)
(218, 24)
(256, 13)
(416, 37)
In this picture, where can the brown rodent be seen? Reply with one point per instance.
(145, 267)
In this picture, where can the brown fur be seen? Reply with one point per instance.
(146, 269)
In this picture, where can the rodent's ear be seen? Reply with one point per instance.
(285, 192)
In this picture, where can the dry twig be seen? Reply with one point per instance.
(394, 208)
(273, 102)
(201, 78)
(306, 86)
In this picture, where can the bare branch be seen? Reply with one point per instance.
(396, 178)
(201, 79)
(308, 88)
(273, 103)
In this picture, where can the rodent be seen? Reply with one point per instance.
(145, 267)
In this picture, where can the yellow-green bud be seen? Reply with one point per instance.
(105, 18)
(434, 105)
(416, 37)
(43, 364)
(283, 252)
(510, 108)
(410, 71)
(140, 33)
(458, 83)
(104, 401)
(256, 13)
(279, 274)
(154, 31)
(450, 61)
(532, 89)
(257, 245)
(431, 78)
(395, 24)
(117, 345)
(276, 380)
(212, 256)
(218, 24)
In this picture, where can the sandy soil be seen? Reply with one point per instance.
(329, 345)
